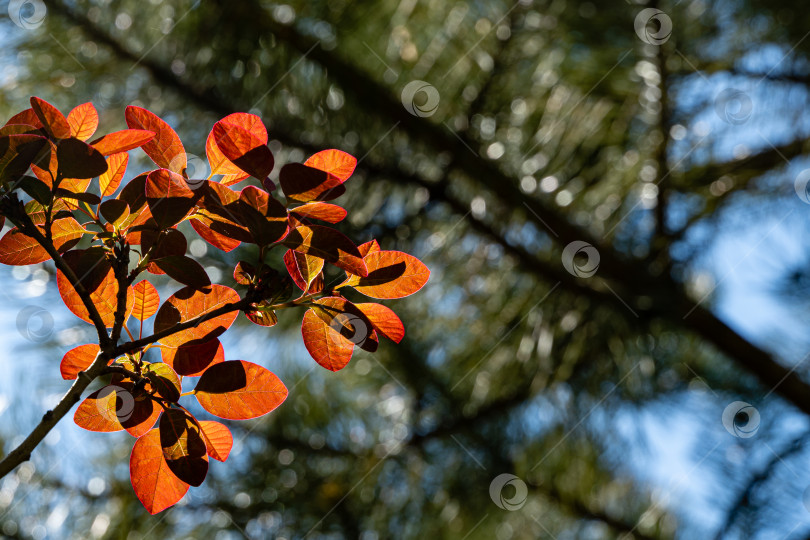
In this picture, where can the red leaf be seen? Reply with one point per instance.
(83, 121)
(264, 216)
(331, 213)
(18, 249)
(28, 116)
(191, 359)
(327, 244)
(97, 277)
(222, 165)
(239, 390)
(325, 345)
(384, 320)
(187, 304)
(218, 439)
(261, 317)
(183, 446)
(335, 162)
(116, 167)
(303, 268)
(155, 485)
(391, 274)
(53, 121)
(165, 149)
(169, 197)
(146, 300)
(244, 149)
(304, 184)
(185, 270)
(78, 359)
(122, 141)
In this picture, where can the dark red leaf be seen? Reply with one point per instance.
(327, 244)
(304, 184)
(191, 359)
(52, 119)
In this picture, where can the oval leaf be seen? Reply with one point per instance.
(185, 270)
(218, 439)
(111, 179)
(239, 390)
(335, 162)
(155, 485)
(122, 141)
(192, 359)
(165, 149)
(183, 446)
(78, 359)
(146, 300)
(304, 184)
(327, 347)
(52, 118)
(187, 304)
(391, 274)
(83, 121)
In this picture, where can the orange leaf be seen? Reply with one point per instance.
(97, 277)
(168, 196)
(105, 409)
(78, 359)
(83, 121)
(369, 247)
(218, 240)
(327, 347)
(391, 274)
(304, 184)
(335, 162)
(344, 318)
(147, 300)
(18, 249)
(116, 167)
(155, 485)
(244, 149)
(384, 320)
(28, 116)
(331, 213)
(264, 216)
(192, 359)
(222, 165)
(165, 149)
(218, 439)
(183, 446)
(53, 121)
(327, 244)
(303, 268)
(122, 141)
(187, 304)
(239, 390)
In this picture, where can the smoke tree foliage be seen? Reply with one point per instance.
(103, 236)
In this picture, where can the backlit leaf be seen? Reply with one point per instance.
(18, 249)
(122, 141)
(239, 390)
(187, 304)
(327, 244)
(105, 409)
(191, 359)
(183, 446)
(163, 380)
(303, 268)
(165, 149)
(17, 152)
(244, 149)
(185, 270)
(391, 274)
(347, 320)
(28, 116)
(77, 159)
(168, 196)
(263, 215)
(83, 121)
(218, 439)
(221, 164)
(335, 162)
(114, 211)
(384, 320)
(52, 118)
(330, 213)
(146, 300)
(155, 485)
(218, 240)
(327, 347)
(304, 184)
(78, 359)
(116, 167)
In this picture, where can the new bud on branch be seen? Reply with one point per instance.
(48, 194)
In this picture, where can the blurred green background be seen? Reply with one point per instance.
(661, 396)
